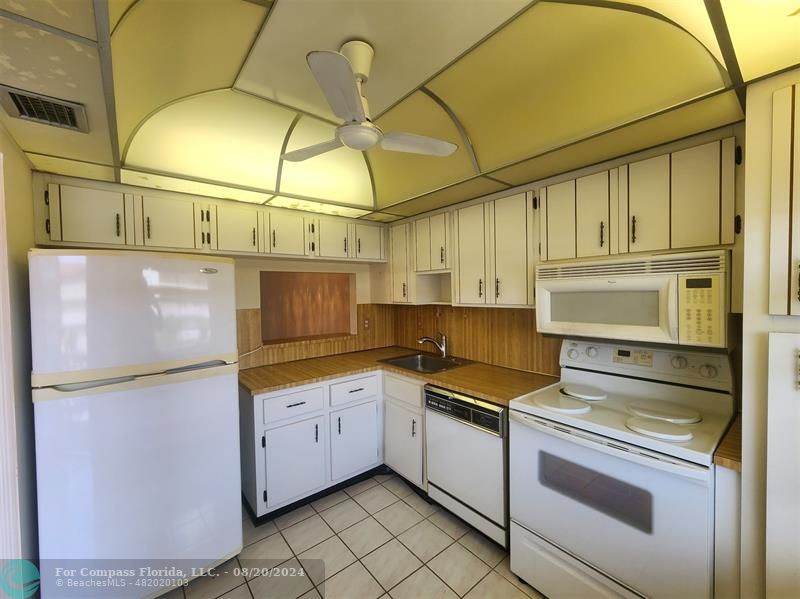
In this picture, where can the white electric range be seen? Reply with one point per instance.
(611, 483)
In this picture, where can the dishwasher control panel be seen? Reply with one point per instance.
(468, 410)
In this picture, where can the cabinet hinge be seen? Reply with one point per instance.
(738, 155)
(265, 496)
(47, 226)
(46, 197)
(263, 440)
(535, 203)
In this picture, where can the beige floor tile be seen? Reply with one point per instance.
(365, 536)
(398, 517)
(422, 506)
(504, 569)
(210, 587)
(357, 488)
(354, 582)
(391, 563)
(312, 594)
(265, 553)
(252, 533)
(334, 555)
(376, 498)
(344, 515)
(398, 487)
(323, 503)
(285, 583)
(382, 478)
(453, 526)
(486, 549)
(295, 516)
(458, 568)
(426, 540)
(307, 533)
(422, 584)
(241, 592)
(495, 586)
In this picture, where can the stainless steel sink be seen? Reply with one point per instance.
(426, 363)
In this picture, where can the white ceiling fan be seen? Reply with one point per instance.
(341, 75)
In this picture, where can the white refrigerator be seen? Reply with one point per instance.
(136, 407)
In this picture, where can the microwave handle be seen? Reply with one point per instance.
(672, 309)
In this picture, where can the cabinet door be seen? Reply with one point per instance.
(648, 204)
(295, 460)
(168, 223)
(354, 439)
(783, 467)
(237, 228)
(439, 252)
(511, 250)
(561, 221)
(399, 264)
(369, 242)
(591, 214)
(92, 215)
(402, 441)
(333, 241)
(422, 235)
(287, 233)
(472, 255)
(695, 177)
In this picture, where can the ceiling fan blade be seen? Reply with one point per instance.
(417, 144)
(311, 151)
(334, 74)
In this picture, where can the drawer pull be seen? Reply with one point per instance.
(294, 405)
(356, 390)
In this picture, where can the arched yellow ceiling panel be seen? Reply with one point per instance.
(163, 51)
(474, 188)
(340, 175)
(710, 113)
(563, 72)
(399, 175)
(222, 137)
(765, 34)
(116, 10)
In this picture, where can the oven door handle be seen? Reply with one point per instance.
(684, 470)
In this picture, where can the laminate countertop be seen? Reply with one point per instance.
(492, 383)
(729, 452)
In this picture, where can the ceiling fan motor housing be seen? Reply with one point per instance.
(359, 136)
(360, 55)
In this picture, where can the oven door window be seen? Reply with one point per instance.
(615, 498)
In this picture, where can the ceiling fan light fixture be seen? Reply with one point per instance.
(359, 137)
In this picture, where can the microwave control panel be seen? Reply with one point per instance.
(700, 314)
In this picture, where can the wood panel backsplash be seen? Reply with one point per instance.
(500, 336)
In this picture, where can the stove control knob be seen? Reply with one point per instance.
(708, 371)
(679, 362)
(591, 351)
(572, 354)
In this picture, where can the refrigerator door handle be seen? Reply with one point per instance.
(70, 387)
(191, 367)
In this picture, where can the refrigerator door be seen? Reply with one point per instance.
(147, 469)
(101, 314)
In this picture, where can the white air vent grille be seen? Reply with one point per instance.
(34, 107)
(666, 264)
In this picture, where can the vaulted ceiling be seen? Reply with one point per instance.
(203, 96)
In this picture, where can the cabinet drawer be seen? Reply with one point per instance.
(403, 390)
(353, 390)
(293, 404)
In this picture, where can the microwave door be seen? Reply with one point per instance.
(638, 308)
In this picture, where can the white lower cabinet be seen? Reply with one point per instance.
(354, 439)
(403, 437)
(294, 456)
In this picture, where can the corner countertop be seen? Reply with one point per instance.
(492, 383)
(729, 452)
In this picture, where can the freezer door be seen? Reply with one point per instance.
(142, 470)
(99, 314)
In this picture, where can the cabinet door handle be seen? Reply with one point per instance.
(148, 226)
(340, 424)
(480, 287)
(497, 288)
(441, 255)
(254, 237)
(345, 245)
(404, 289)
(208, 238)
(633, 229)
(358, 248)
(313, 247)
(798, 283)
(413, 428)
(202, 238)
(208, 215)
(118, 225)
(273, 238)
(602, 232)
(316, 433)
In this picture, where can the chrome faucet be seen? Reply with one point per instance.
(441, 346)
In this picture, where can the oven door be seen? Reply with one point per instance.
(643, 521)
(640, 308)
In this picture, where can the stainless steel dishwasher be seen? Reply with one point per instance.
(466, 446)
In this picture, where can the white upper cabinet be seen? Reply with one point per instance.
(511, 243)
(168, 222)
(648, 204)
(287, 233)
(559, 212)
(696, 196)
(398, 236)
(333, 238)
(88, 215)
(592, 232)
(422, 235)
(472, 254)
(431, 243)
(237, 228)
(369, 242)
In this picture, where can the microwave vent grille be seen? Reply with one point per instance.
(647, 266)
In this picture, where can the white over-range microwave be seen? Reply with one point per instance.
(670, 298)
